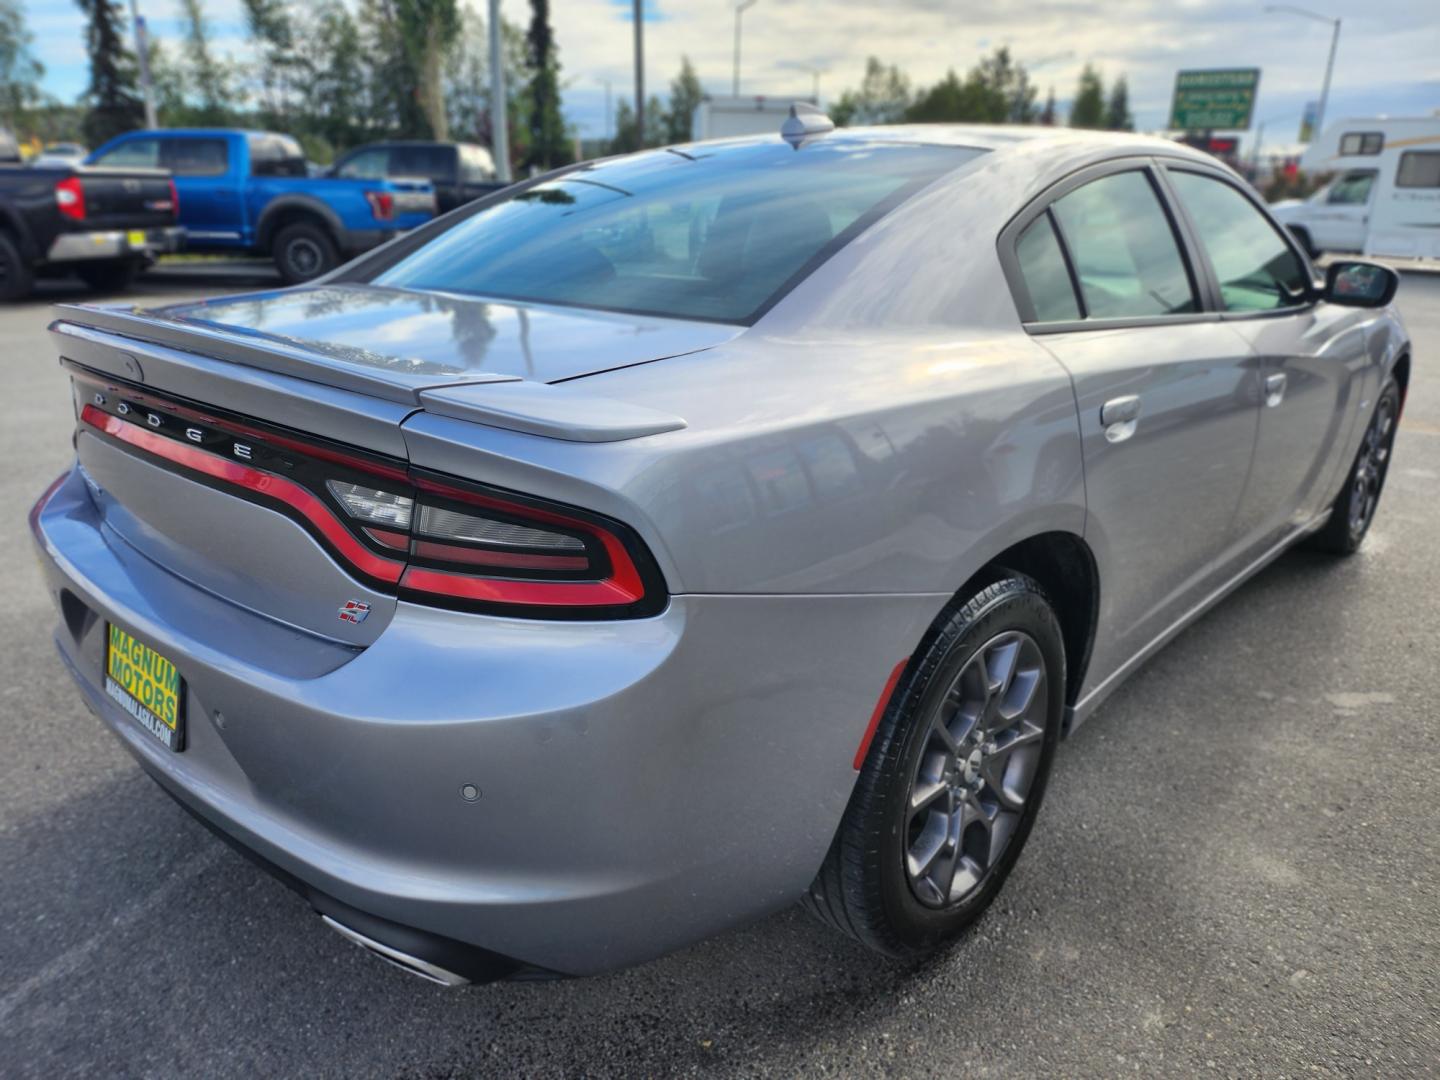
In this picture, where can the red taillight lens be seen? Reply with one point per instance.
(382, 205)
(70, 198)
(174, 200)
(434, 539)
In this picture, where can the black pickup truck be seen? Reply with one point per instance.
(459, 172)
(102, 224)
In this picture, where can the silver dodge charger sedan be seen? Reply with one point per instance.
(673, 537)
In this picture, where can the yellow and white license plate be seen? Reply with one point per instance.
(145, 685)
(137, 238)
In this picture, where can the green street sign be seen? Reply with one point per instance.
(1222, 99)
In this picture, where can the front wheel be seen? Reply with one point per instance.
(304, 251)
(1354, 508)
(953, 781)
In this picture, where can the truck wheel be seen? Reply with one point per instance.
(15, 276)
(303, 251)
(112, 275)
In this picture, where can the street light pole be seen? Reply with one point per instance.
(639, 74)
(739, 11)
(499, 123)
(142, 53)
(1291, 9)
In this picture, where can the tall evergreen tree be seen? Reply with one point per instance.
(272, 32)
(882, 98)
(548, 144)
(209, 76)
(1088, 109)
(20, 72)
(1047, 114)
(113, 104)
(338, 108)
(1117, 110)
(685, 97)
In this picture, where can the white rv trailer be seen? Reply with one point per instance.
(1384, 198)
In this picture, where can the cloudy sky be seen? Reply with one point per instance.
(1388, 62)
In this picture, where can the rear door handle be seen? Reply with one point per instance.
(1274, 389)
(1118, 417)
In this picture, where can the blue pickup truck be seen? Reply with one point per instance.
(249, 192)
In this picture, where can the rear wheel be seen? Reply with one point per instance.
(1354, 508)
(16, 279)
(954, 777)
(304, 251)
(111, 275)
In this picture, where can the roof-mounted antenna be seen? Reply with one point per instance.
(804, 122)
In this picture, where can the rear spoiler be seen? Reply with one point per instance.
(121, 341)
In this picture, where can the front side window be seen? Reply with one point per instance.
(1123, 249)
(1352, 189)
(372, 164)
(717, 234)
(195, 157)
(1047, 278)
(135, 154)
(1362, 142)
(1418, 169)
(1257, 269)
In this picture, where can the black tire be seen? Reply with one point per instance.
(1354, 508)
(303, 251)
(16, 278)
(111, 275)
(866, 887)
(1302, 237)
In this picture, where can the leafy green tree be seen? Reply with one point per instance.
(548, 144)
(113, 105)
(1117, 109)
(386, 63)
(882, 98)
(272, 32)
(337, 109)
(1088, 109)
(685, 98)
(467, 78)
(998, 74)
(626, 138)
(995, 91)
(208, 77)
(20, 72)
(428, 28)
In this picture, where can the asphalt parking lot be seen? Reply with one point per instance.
(1237, 869)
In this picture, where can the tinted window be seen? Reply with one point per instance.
(1362, 142)
(714, 235)
(1123, 248)
(1352, 189)
(1257, 269)
(1419, 168)
(371, 164)
(195, 157)
(1047, 278)
(135, 154)
(430, 162)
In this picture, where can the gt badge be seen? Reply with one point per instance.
(354, 611)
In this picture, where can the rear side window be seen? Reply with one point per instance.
(1047, 278)
(372, 164)
(1257, 269)
(135, 154)
(1124, 250)
(1362, 142)
(717, 234)
(276, 155)
(195, 157)
(1419, 169)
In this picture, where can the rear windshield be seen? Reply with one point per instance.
(713, 232)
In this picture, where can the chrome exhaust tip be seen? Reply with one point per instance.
(404, 961)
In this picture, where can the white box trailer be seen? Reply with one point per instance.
(729, 117)
(1384, 196)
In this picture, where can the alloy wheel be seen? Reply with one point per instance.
(982, 748)
(1370, 468)
(304, 257)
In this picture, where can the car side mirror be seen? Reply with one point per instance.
(1360, 284)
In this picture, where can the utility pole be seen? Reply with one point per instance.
(142, 53)
(739, 11)
(1291, 9)
(499, 114)
(609, 114)
(639, 74)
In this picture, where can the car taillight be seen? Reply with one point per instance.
(70, 198)
(382, 205)
(431, 538)
(174, 200)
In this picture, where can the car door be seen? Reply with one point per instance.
(433, 163)
(1166, 395)
(1338, 222)
(1312, 355)
(210, 205)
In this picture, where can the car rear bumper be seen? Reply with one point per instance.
(114, 244)
(637, 784)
